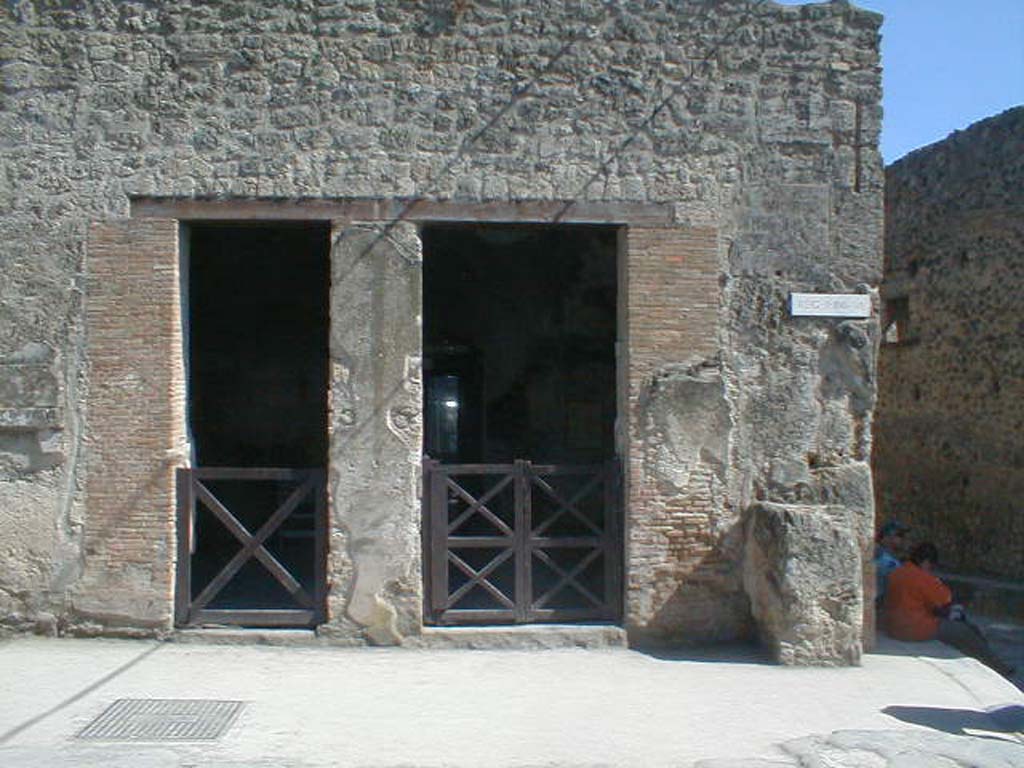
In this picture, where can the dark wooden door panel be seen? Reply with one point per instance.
(238, 562)
(515, 543)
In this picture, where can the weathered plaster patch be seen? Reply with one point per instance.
(687, 424)
(376, 433)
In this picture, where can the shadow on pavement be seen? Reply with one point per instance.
(1004, 719)
(932, 649)
(719, 654)
(152, 648)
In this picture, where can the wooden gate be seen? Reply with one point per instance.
(522, 542)
(251, 547)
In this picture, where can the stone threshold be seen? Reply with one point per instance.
(521, 637)
(245, 636)
(512, 637)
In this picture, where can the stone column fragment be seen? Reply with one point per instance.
(374, 572)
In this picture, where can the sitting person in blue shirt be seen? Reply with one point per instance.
(890, 549)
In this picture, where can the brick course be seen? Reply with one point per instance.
(136, 417)
(673, 325)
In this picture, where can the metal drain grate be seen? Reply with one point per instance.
(163, 720)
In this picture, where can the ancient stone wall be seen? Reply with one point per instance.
(949, 449)
(755, 124)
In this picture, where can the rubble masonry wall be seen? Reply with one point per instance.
(757, 124)
(949, 449)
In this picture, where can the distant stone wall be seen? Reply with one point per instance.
(949, 440)
(754, 125)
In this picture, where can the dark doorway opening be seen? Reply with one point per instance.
(522, 508)
(257, 358)
(258, 322)
(519, 343)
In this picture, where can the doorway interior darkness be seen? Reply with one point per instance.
(519, 343)
(257, 336)
(522, 516)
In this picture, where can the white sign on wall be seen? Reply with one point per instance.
(829, 305)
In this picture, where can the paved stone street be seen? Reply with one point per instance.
(1007, 639)
(892, 749)
(310, 706)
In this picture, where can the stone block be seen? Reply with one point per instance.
(23, 452)
(785, 230)
(28, 418)
(27, 385)
(803, 574)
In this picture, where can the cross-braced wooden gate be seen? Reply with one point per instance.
(267, 563)
(522, 542)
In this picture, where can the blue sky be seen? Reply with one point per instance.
(946, 64)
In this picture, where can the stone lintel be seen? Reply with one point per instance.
(408, 209)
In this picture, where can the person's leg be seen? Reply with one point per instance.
(967, 639)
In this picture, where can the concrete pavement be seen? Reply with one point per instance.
(312, 706)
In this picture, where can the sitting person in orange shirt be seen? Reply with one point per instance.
(918, 606)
